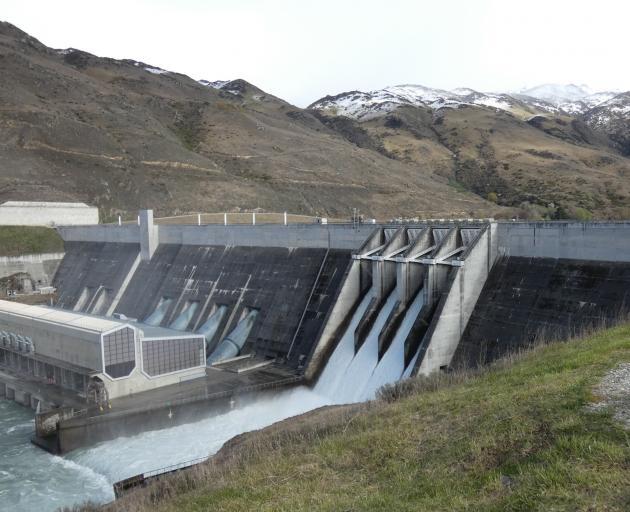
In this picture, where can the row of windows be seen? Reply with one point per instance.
(52, 374)
(166, 356)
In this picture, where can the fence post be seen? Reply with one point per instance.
(119, 221)
(285, 218)
(253, 218)
(199, 219)
(225, 219)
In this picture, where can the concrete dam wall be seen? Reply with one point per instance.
(342, 308)
(526, 300)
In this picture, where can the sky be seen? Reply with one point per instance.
(300, 50)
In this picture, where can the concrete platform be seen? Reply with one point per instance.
(165, 407)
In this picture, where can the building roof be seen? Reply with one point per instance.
(85, 321)
(61, 317)
(44, 204)
(151, 331)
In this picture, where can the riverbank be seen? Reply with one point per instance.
(520, 435)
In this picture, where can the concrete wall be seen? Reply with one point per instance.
(71, 345)
(602, 241)
(294, 235)
(47, 214)
(127, 233)
(40, 267)
(347, 299)
(526, 299)
(456, 306)
(90, 269)
(138, 382)
(595, 241)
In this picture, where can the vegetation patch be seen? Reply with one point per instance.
(19, 240)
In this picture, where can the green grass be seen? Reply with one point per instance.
(18, 240)
(516, 437)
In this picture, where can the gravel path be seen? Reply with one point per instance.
(614, 391)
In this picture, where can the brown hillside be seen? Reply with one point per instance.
(74, 126)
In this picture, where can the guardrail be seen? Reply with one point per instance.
(173, 467)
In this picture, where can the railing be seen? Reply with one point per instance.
(173, 467)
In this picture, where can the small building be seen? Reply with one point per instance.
(36, 213)
(95, 357)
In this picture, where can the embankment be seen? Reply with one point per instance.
(518, 435)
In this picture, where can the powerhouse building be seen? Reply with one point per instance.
(98, 358)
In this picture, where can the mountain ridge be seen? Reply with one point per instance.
(123, 134)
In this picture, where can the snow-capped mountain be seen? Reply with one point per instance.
(569, 99)
(365, 105)
(613, 118)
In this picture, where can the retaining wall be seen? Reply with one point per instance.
(595, 241)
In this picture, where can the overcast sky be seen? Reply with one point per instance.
(302, 50)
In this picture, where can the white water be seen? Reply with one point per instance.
(350, 377)
(355, 378)
(392, 365)
(33, 481)
(342, 356)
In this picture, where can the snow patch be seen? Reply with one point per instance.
(155, 71)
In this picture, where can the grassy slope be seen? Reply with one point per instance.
(516, 437)
(18, 240)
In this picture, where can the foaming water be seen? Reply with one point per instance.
(350, 377)
(32, 480)
(355, 378)
(392, 365)
(337, 365)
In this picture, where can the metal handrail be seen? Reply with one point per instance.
(174, 467)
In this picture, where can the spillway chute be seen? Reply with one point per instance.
(232, 344)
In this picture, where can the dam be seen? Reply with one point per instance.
(160, 325)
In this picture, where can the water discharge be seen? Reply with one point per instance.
(32, 480)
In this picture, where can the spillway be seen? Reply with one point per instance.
(346, 376)
(340, 359)
(392, 365)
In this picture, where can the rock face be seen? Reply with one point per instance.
(123, 135)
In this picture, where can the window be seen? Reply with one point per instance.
(119, 349)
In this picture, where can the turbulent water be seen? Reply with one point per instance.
(32, 480)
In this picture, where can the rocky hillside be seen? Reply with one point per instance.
(547, 152)
(125, 135)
